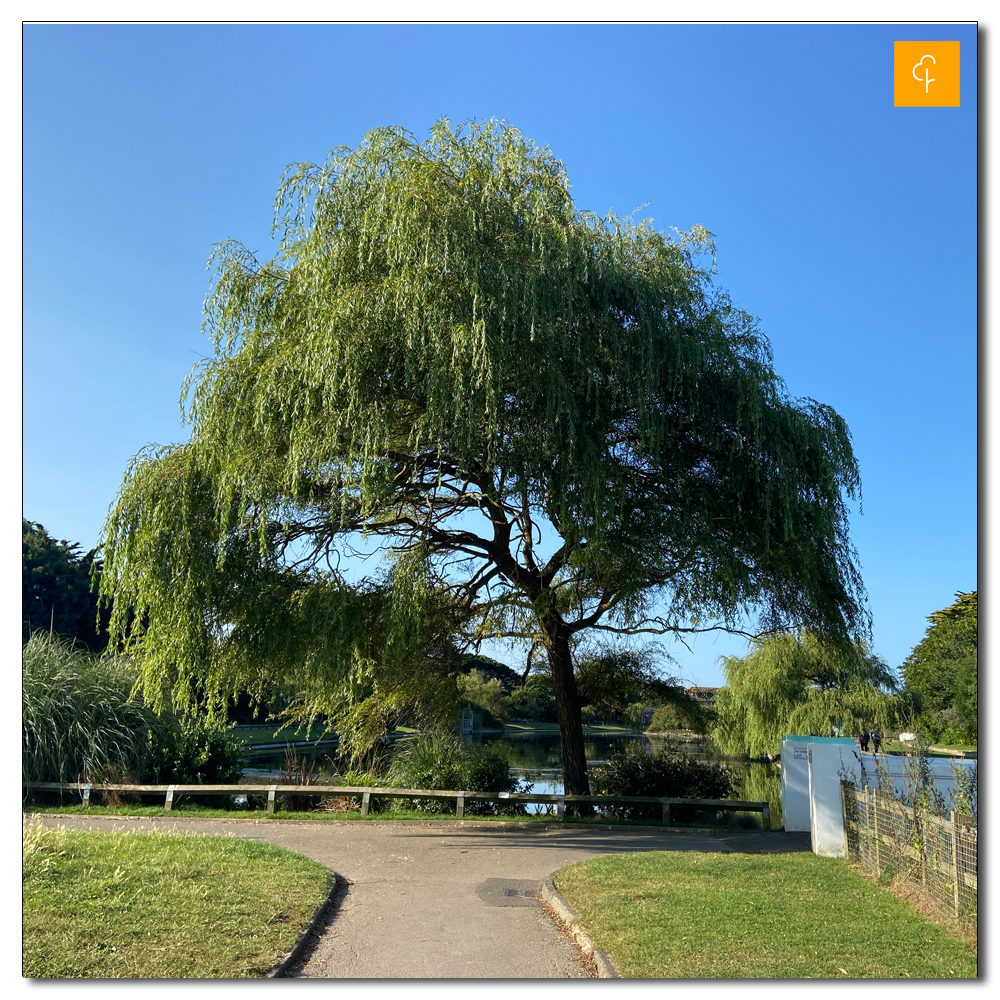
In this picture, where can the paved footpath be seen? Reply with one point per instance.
(442, 899)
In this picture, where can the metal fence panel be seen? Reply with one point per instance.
(938, 854)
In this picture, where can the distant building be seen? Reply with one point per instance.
(704, 696)
(466, 721)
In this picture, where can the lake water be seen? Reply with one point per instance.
(537, 757)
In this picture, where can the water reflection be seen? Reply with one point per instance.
(537, 757)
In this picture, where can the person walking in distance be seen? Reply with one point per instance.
(876, 740)
(863, 740)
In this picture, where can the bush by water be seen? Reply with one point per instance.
(664, 772)
(443, 761)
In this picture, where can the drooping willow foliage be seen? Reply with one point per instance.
(552, 420)
(802, 684)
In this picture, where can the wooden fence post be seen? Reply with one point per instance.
(460, 805)
(561, 807)
(955, 827)
(86, 795)
(169, 802)
(843, 810)
(365, 801)
(874, 808)
(270, 798)
(666, 812)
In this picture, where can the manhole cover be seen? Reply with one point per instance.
(509, 892)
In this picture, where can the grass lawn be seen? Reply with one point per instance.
(191, 810)
(937, 750)
(545, 728)
(161, 905)
(963, 747)
(784, 916)
(284, 734)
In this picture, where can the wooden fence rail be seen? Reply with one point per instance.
(368, 793)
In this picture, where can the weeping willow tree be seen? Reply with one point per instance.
(806, 685)
(548, 422)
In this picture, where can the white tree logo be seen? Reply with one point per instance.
(926, 79)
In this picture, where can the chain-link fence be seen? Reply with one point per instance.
(937, 854)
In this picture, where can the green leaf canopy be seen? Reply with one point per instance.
(805, 685)
(942, 670)
(550, 419)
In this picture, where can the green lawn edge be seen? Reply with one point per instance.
(142, 904)
(701, 915)
(186, 810)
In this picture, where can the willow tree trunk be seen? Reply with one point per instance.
(567, 706)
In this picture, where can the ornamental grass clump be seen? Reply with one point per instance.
(83, 720)
(78, 716)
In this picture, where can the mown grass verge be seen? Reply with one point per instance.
(748, 916)
(191, 810)
(552, 728)
(161, 905)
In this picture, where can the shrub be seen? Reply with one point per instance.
(664, 772)
(191, 751)
(487, 769)
(436, 760)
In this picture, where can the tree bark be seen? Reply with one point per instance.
(567, 705)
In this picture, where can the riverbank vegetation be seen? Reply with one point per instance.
(663, 772)
(443, 761)
(138, 905)
(693, 915)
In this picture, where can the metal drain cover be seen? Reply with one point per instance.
(509, 892)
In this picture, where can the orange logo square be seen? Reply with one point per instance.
(925, 74)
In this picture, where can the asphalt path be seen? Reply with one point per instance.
(444, 899)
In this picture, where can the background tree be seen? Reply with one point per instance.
(533, 700)
(618, 683)
(549, 420)
(485, 696)
(55, 589)
(803, 685)
(942, 671)
(672, 717)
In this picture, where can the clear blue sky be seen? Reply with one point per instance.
(847, 225)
